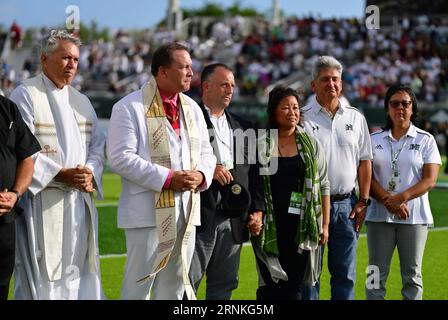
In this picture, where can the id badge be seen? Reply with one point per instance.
(392, 185)
(295, 203)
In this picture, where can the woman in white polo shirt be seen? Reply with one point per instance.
(406, 163)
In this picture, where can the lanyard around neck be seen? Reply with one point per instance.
(394, 155)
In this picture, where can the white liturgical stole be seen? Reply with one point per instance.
(53, 195)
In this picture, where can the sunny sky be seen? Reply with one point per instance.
(146, 13)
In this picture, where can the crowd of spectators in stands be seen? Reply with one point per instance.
(412, 51)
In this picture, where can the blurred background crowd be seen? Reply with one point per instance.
(409, 47)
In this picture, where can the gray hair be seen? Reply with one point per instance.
(324, 62)
(51, 41)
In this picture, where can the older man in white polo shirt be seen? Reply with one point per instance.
(343, 133)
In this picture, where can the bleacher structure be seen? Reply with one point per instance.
(393, 13)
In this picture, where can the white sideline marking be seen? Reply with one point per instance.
(107, 204)
(438, 229)
(113, 255)
(442, 185)
(122, 255)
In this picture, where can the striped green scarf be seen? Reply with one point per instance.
(310, 225)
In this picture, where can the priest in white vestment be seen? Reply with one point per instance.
(57, 236)
(158, 142)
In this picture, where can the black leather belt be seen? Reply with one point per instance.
(10, 216)
(340, 197)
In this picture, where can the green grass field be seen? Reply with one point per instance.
(434, 276)
(435, 280)
(112, 241)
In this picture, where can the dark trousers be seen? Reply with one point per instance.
(294, 264)
(217, 256)
(7, 249)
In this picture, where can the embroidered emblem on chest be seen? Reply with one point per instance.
(348, 127)
(414, 146)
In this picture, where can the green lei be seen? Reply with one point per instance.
(311, 207)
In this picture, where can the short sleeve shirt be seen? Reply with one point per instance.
(345, 140)
(418, 148)
(16, 142)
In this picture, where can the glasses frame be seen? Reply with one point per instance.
(395, 104)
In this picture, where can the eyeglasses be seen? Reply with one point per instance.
(396, 103)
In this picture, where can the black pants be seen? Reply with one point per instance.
(7, 250)
(294, 265)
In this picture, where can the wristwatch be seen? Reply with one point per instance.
(366, 201)
(17, 195)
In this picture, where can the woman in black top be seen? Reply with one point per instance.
(298, 223)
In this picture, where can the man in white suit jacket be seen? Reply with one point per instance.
(158, 142)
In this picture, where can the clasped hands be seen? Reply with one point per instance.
(80, 178)
(396, 204)
(255, 223)
(185, 180)
(7, 201)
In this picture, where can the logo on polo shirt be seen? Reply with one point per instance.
(379, 147)
(414, 146)
(348, 127)
(315, 128)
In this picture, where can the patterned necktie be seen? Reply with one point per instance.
(172, 114)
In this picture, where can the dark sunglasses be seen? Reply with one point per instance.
(396, 103)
